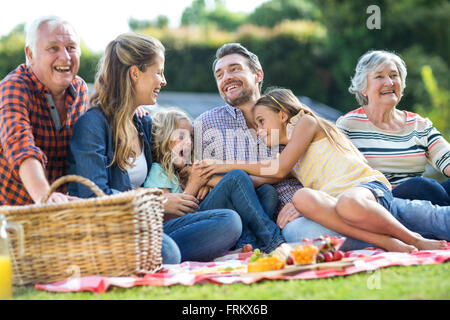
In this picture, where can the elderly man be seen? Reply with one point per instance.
(39, 103)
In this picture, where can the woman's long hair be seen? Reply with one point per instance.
(164, 125)
(280, 99)
(114, 89)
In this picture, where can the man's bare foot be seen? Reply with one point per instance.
(396, 245)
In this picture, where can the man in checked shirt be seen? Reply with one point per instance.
(229, 133)
(39, 103)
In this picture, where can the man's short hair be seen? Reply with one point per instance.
(232, 48)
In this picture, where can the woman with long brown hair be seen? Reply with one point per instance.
(111, 147)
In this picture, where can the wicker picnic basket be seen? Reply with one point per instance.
(117, 235)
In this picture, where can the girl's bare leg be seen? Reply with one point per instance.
(359, 208)
(321, 208)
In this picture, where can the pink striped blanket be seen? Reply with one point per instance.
(230, 269)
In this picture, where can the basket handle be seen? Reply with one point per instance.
(73, 178)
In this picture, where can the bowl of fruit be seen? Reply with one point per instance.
(260, 262)
(318, 250)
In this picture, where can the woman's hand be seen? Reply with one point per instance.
(180, 203)
(287, 214)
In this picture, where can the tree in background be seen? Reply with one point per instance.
(439, 109)
(160, 21)
(273, 12)
(218, 16)
(12, 50)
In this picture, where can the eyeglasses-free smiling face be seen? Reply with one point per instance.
(56, 59)
(148, 83)
(236, 82)
(270, 125)
(181, 144)
(384, 86)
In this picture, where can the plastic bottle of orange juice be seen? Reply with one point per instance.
(5, 259)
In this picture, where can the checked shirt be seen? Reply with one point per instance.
(28, 129)
(222, 133)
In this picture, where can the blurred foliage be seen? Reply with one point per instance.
(439, 109)
(309, 46)
(160, 21)
(269, 14)
(12, 50)
(218, 16)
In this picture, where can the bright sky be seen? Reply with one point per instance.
(100, 21)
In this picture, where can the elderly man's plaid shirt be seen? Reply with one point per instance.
(27, 130)
(222, 133)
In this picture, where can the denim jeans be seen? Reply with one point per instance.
(382, 194)
(203, 235)
(423, 217)
(422, 188)
(302, 227)
(256, 207)
(170, 252)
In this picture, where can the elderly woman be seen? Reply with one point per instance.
(398, 143)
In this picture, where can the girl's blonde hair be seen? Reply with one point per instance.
(164, 125)
(115, 92)
(280, 99)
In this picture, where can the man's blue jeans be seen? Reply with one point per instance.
(431, 221)
(200, 236)
(423, 217)
(422, 188)
(256, 207)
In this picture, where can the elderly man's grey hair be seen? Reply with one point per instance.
(52, 22)
(374, 60)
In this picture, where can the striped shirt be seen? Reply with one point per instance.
(323, 167)
(28, 128)
(222, 133)
(399, 155)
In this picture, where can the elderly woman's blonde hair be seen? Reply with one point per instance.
(114, 89)
(374, 61)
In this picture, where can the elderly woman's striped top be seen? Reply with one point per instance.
(401, 154)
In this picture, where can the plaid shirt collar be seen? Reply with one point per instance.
(232, 111)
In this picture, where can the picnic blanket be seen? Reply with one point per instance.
(225, 270)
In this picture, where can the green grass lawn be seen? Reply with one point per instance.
(415, 282)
